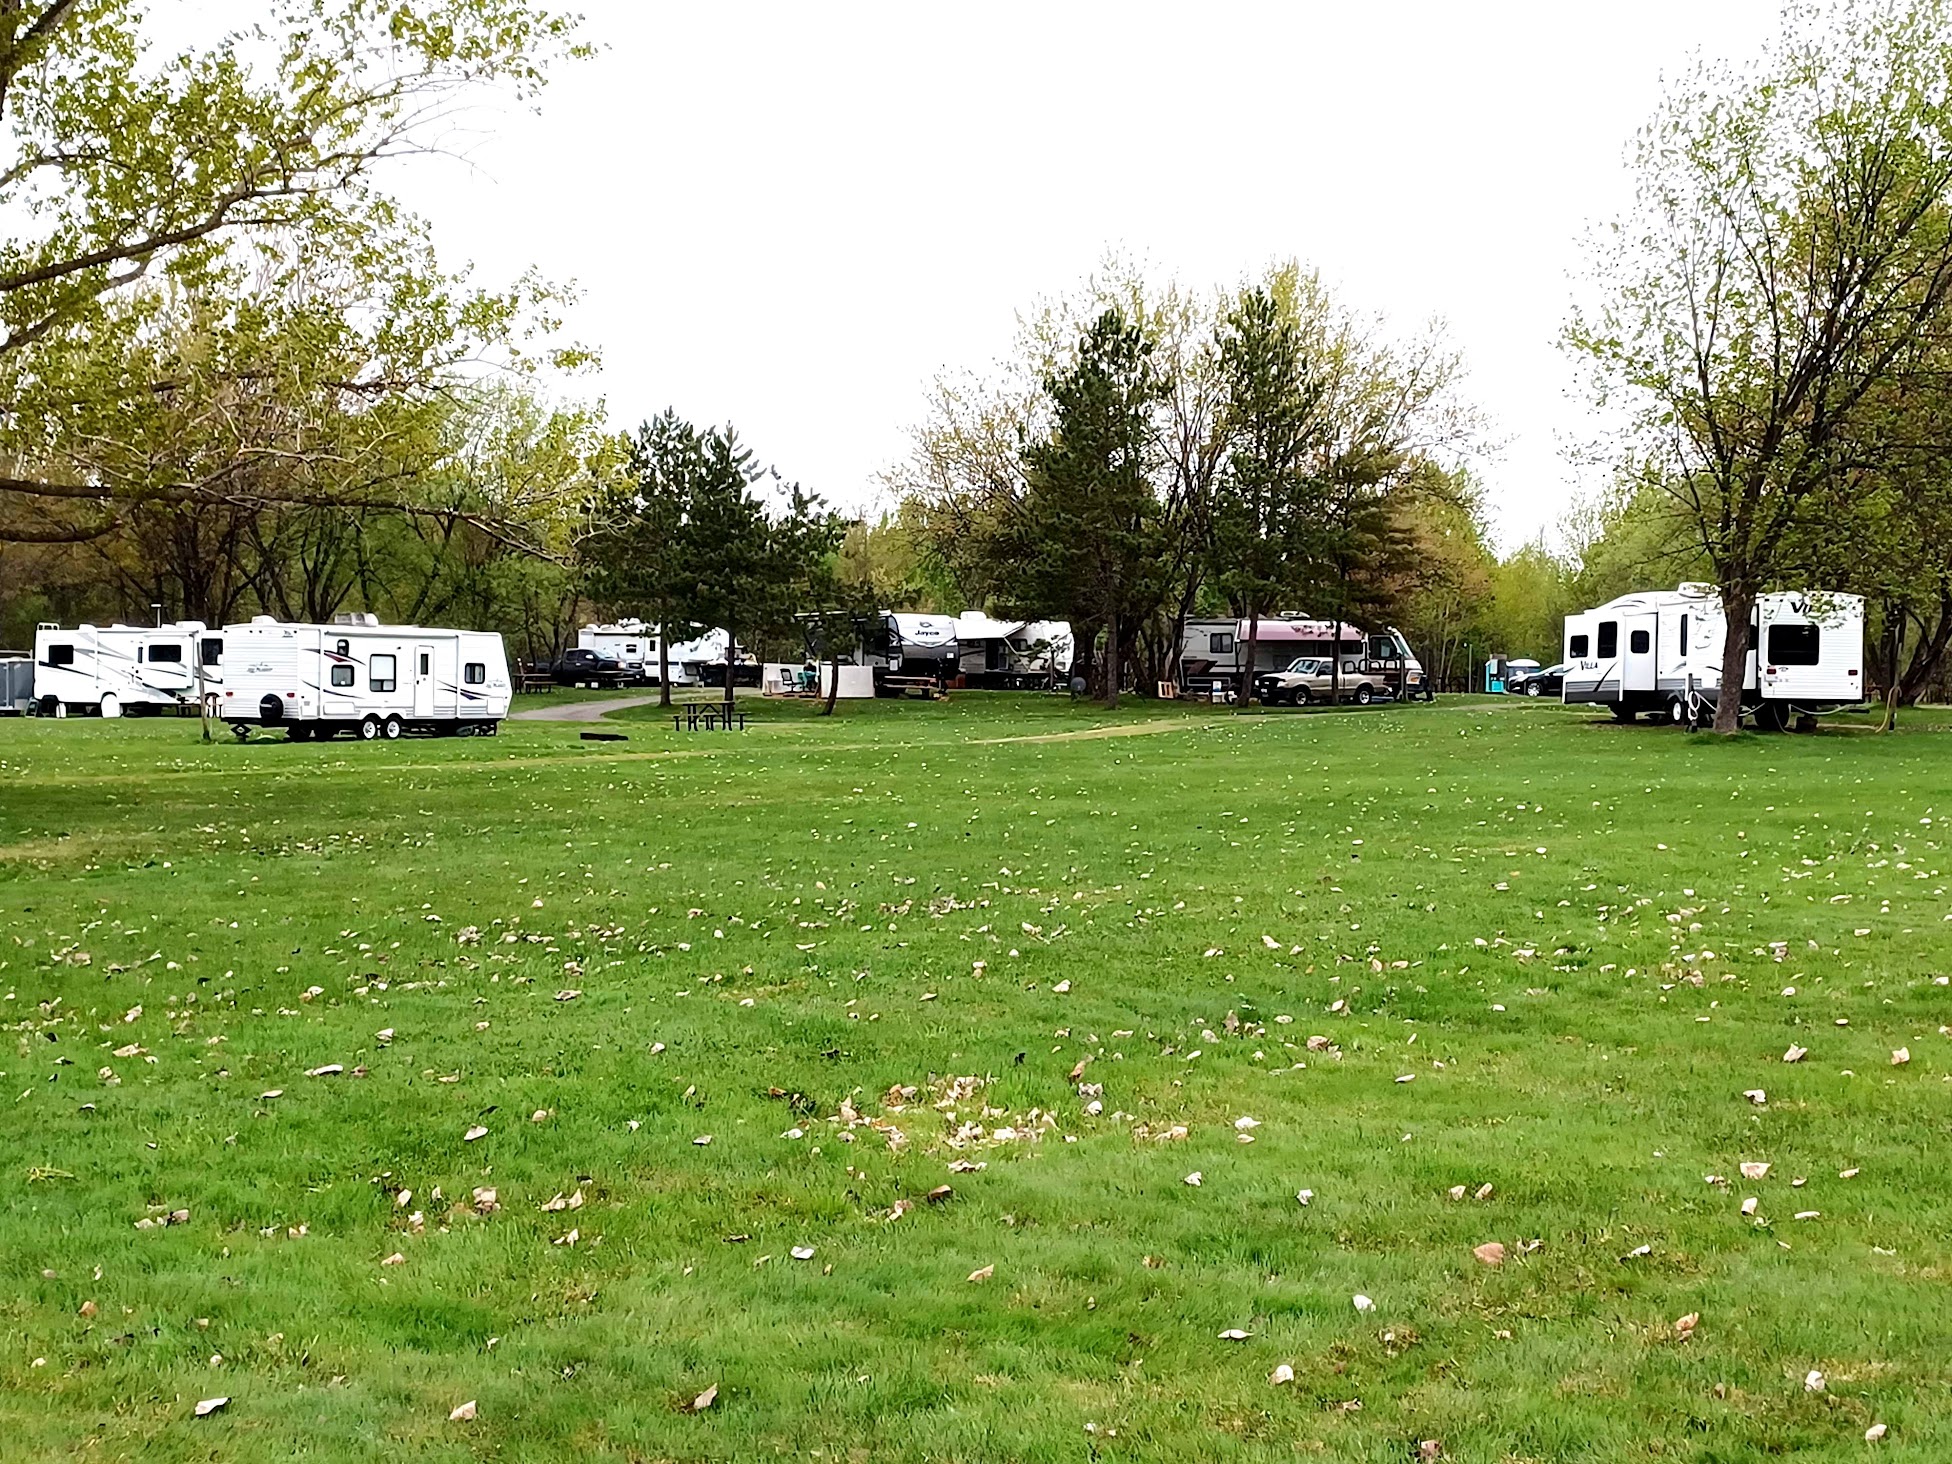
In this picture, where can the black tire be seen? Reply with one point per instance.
(369, 729)
(1772, 717)
(1364, 695)
(391, 729)
(1303, 696)
(1677, 712)
(1532, 688)
(50, 706)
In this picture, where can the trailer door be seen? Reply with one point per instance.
(1637, 655)
(423, 680)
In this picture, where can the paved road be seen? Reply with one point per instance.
(581, 711)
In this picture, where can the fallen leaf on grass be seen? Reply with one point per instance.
(462, 1413)
(1755, 1095)
(1795, 1053)
(1900, 1056)
(567, 995)
(330, 1070)
(702, 1140)
(1748, 1205)
(1684, 1326)
(486, 1202)
(477, 1132)
(1483, 1192)
(211, 1405)
(705, 1399)
(396, 1259)
(1282, 1374)
(1753, 1170)
(802, 1252)
(1813, 1381)
(1492, 1253)
(1192, 1179)
(1234, 1334)
(1304, 1196)
(1362, 1303)
(939, 1194)
(982, 1273)
(1875, 1432)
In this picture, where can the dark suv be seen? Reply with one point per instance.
(578, 666)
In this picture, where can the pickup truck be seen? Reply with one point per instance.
(1310, 679)
(578, 666)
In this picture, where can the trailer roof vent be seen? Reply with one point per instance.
(264, 620)
(352, 617)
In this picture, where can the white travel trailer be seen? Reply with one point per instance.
(123, 670)
(1661, 652)
(362, 677)
(1011, 654)
(633, 645)
(701, 662)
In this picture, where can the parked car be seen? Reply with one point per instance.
(580, 666)
(1548, 681)
(1311, 679)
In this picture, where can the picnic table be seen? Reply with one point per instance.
(707, 717)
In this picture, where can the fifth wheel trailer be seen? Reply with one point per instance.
(361, 677)
(1660, 651)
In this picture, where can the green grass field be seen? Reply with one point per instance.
(277, 986)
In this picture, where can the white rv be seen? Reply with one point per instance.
(362, 677)
(117, 670)
(1011, 654)
(1661, 652)
(701, 662)
(633, 645)
(1211, 652)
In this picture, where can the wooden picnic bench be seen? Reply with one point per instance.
(926, 687)
(707, 717)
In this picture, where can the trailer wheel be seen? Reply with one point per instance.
(1364, 696)
(111, 706)
(369, 729)
(391, 729)
(51, 706)
(1772, 717)
(1677, 711)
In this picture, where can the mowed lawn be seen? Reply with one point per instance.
(729, 1010)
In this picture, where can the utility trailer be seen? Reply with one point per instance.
(360, 677)
(1659, 652)
(16, 686)
(123, 670)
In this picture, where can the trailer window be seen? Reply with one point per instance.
(166, 653)
(381, 673)
(1793, 645)
(1640, 642)
(60, 655)
(1220, 643)
(345, 648)
(213, 650)
(425, 665)
(1609, 637)
(1577, 646)
(342, 676)
(474, 673)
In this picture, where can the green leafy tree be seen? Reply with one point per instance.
(1267, 505)
(1088, 538)
(1785, 274)
(635, 555)
(245, 164)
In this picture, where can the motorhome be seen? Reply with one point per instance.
(633, 645)
(701, 662)
(1212, 653)
(1011, 655)
(1660, 652)
(123, 670)
(358, 676)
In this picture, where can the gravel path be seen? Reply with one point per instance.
(582, 711)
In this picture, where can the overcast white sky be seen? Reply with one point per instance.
(791, 216)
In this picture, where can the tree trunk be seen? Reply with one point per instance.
(663, 666)
(1253, 647)
(1737, 607)
(1114, 661)
(833, 673)
(731, 661)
